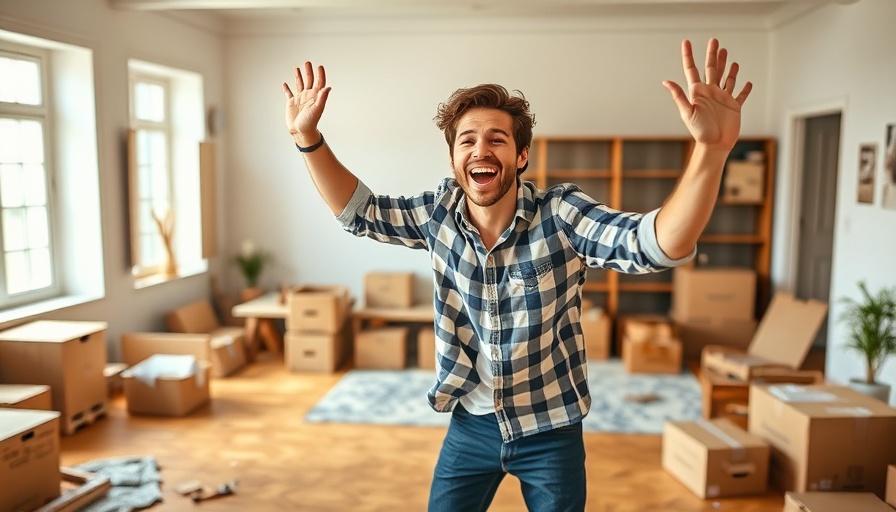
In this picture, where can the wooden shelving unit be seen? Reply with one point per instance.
(637, 174)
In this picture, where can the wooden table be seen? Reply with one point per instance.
(261, 316)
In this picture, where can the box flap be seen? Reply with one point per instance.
(788, 329)
(833, 502)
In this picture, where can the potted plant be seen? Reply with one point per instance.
(251, 262)
(872, 332)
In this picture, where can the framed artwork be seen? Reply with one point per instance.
(888, 195)
(867, 160)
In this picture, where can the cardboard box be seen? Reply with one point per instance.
(383, 348)
(69, 357)
(426, 348)
(891, 485)
(697, 333)
(724, 397)
(744, 182)
(782, 340)
(167, 385)
(715, 458)
(316, 351)
(318, 308)
(652, 356)
(194, 318)
(26, 396)
(713, 292)
(29, 459)
(622, 322)
(824, 438)
(596, 332)
(834, 502)
(389, 289)
(226, 354)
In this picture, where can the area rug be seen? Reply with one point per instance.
(398, 397)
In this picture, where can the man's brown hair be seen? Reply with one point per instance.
(487, 96)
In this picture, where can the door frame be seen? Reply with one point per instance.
(791, 186)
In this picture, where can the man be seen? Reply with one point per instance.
(509, 262)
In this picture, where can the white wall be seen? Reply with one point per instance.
(114, 37)
(389, 77)
(840, 55)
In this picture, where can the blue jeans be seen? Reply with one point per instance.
(473, 461)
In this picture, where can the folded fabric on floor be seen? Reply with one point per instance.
(135, 483)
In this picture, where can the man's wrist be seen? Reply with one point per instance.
(313, 147)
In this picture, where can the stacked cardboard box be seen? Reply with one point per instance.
(389, 289)
(224, 352)
(69, 357)
(774, 355)
(26, 396)
(596, 331)
(381, 344)
(713, 305)
(650, 347)
(29, 459)
(824, 437)
(317, 328)
(426, 348)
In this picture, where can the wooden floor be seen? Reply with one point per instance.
(253, 432)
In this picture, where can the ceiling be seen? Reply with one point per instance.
(236, 10)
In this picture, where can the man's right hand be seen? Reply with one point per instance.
(303, 109)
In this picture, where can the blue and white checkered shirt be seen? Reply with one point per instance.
(517, 305)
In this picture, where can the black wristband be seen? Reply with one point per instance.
(309, 149)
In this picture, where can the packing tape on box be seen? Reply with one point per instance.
(738, 452)
(797, 393)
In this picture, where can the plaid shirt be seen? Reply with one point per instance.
(517, 305)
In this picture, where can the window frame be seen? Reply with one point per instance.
(43, 113)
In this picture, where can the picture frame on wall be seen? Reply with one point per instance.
(888, 193)
(867, 161)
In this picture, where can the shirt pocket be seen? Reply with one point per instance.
(530, 275)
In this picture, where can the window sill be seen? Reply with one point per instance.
(157, 279)
(16, 314)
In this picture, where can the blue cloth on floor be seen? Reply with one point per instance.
(135, 483)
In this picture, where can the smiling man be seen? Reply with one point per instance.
(509, 262)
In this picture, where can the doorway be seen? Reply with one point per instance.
(820, 154)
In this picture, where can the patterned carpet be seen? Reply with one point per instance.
(399, 398)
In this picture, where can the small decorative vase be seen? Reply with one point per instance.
(875, 389)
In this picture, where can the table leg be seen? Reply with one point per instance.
(251, 338)
(270, 334)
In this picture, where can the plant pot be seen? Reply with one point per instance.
(875, 389)
(247, 294)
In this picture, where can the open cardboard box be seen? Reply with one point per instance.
(782, 340)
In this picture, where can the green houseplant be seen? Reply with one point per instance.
(251, 262)
(872, 331)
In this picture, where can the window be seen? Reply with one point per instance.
(166, 127)
(153, 194)
(27, 272)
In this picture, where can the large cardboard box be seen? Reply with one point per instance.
(316, 351)
(318, 308)
(26, 396)
(383, 348)
(824, 438)
(891, 485)
(69, 357)
(715, 458)
(644, 323)
(29, 459)
(697, 333)
(596, 332)
(713, 292)
(744, 182)
(833, 502)
(725, 397)
(167, 385)
(426, 348)
(782, 340)
(226, 353)
(389, 289)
